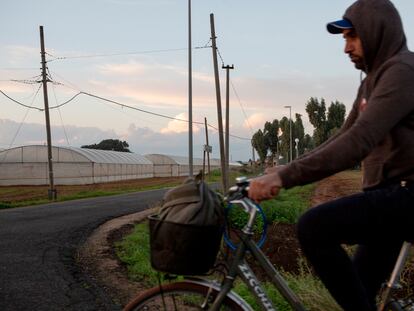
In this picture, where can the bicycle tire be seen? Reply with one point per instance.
(393, 306)
(183, 296)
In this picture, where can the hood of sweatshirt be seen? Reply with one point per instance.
(379, 26)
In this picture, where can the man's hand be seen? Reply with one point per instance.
(265, 187)
(273, 169)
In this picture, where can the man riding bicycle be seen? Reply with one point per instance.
(379, 131)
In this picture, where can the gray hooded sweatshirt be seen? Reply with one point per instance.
(382, 135)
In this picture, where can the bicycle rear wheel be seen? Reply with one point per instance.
(393, 306)
(186, 295)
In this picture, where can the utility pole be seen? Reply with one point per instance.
(219, 114)
(52, 194)
(208, 146)
(227, 142)
(190, 96)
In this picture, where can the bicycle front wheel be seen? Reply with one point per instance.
(186, 295)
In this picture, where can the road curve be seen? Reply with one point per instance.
(37, 249)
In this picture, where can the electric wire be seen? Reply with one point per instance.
(120, 54)
(21, 124)
(24, 81)
(138, 109)
(241, 106)
(66, 102)
(237, 95)
(21, 104)
(157, 114)
(72, 86)
(232, 135)
(219, 54)
(18, 68)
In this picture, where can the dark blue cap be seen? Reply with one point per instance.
(339, 26)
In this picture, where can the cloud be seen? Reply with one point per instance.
(127, 69)
(21, 56)
(176, 126)
(256, 121)
(142, 140)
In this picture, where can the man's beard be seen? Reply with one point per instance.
(358, 62)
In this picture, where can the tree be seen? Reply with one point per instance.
(298, 132)
(284, 146)
(336, 117)
(110, 144)
(307, 143)
(325, 124)
(317, 117)
(271, 130)
(259, 143)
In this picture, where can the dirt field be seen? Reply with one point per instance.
(12, 194)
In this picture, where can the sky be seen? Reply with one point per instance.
(134, 53)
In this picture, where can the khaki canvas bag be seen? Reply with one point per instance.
(186, 233)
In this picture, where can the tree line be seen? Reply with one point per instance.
(274, 140)
(110, 144)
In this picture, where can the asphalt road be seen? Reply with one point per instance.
(37, 249)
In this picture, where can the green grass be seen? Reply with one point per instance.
(289, 204)
(286, 208)
(309, 289)
(133, 250)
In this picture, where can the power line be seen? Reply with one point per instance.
(121, 54)
(138, 109)
(116, 103)
(18, 68)
(237, 95)
(66, 102)
(25, 81)
(21, 104)
(241, 106)
(235, 136)
(21, 123)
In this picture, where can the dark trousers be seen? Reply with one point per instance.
(378, 221)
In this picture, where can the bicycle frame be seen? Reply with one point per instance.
(393, 282)
(239, 267)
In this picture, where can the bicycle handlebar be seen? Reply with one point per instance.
(240, 190)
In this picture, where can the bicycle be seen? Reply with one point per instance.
(203, 294)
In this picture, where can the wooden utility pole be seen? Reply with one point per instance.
(227, 141)
(52, 194)
(208, 146)
(219, 114)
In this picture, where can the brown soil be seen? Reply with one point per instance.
(11, 194)
(281, 247)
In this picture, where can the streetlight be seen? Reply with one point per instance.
(297, 147)
(290, 130)
(190, 97)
